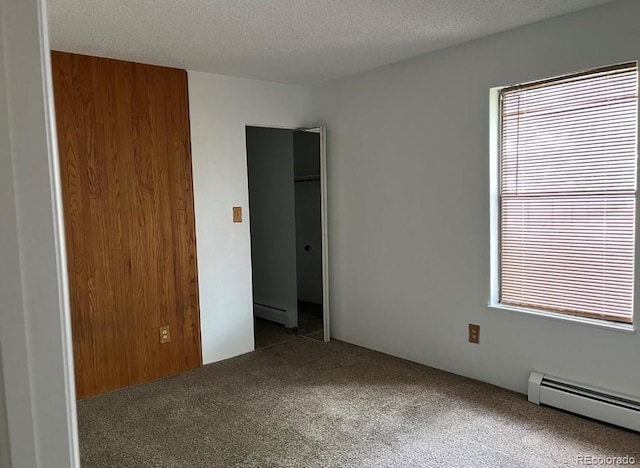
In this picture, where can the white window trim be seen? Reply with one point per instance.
(494, 193)
(494, 216)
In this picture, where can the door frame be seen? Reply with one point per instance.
(324, 208)
(325, 233)
(35, 330)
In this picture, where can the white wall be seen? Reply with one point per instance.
(34, 327)
(220, 108)
(408, 158)
(273, 230)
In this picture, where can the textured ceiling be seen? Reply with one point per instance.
(287, 41)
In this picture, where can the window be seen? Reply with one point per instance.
(566, 198)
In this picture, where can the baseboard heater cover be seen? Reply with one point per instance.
(272, 313)
(603, 405)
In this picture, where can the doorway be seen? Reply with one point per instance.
(287, 210)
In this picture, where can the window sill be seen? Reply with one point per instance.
(615, 326)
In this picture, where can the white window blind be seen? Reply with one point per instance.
(568, 193)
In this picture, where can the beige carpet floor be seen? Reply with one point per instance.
(309, 404)
(267, 333)
(309, 319)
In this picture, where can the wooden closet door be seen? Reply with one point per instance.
(125, 158)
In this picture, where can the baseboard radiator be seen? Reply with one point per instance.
(603, 405)
(272, 313)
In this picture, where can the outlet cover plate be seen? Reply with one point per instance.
(165, 336)
(474, 333)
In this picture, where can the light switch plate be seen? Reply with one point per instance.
(237, 214)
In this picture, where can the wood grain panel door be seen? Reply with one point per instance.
(125, 151)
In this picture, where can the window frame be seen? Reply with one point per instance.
(495, 140)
